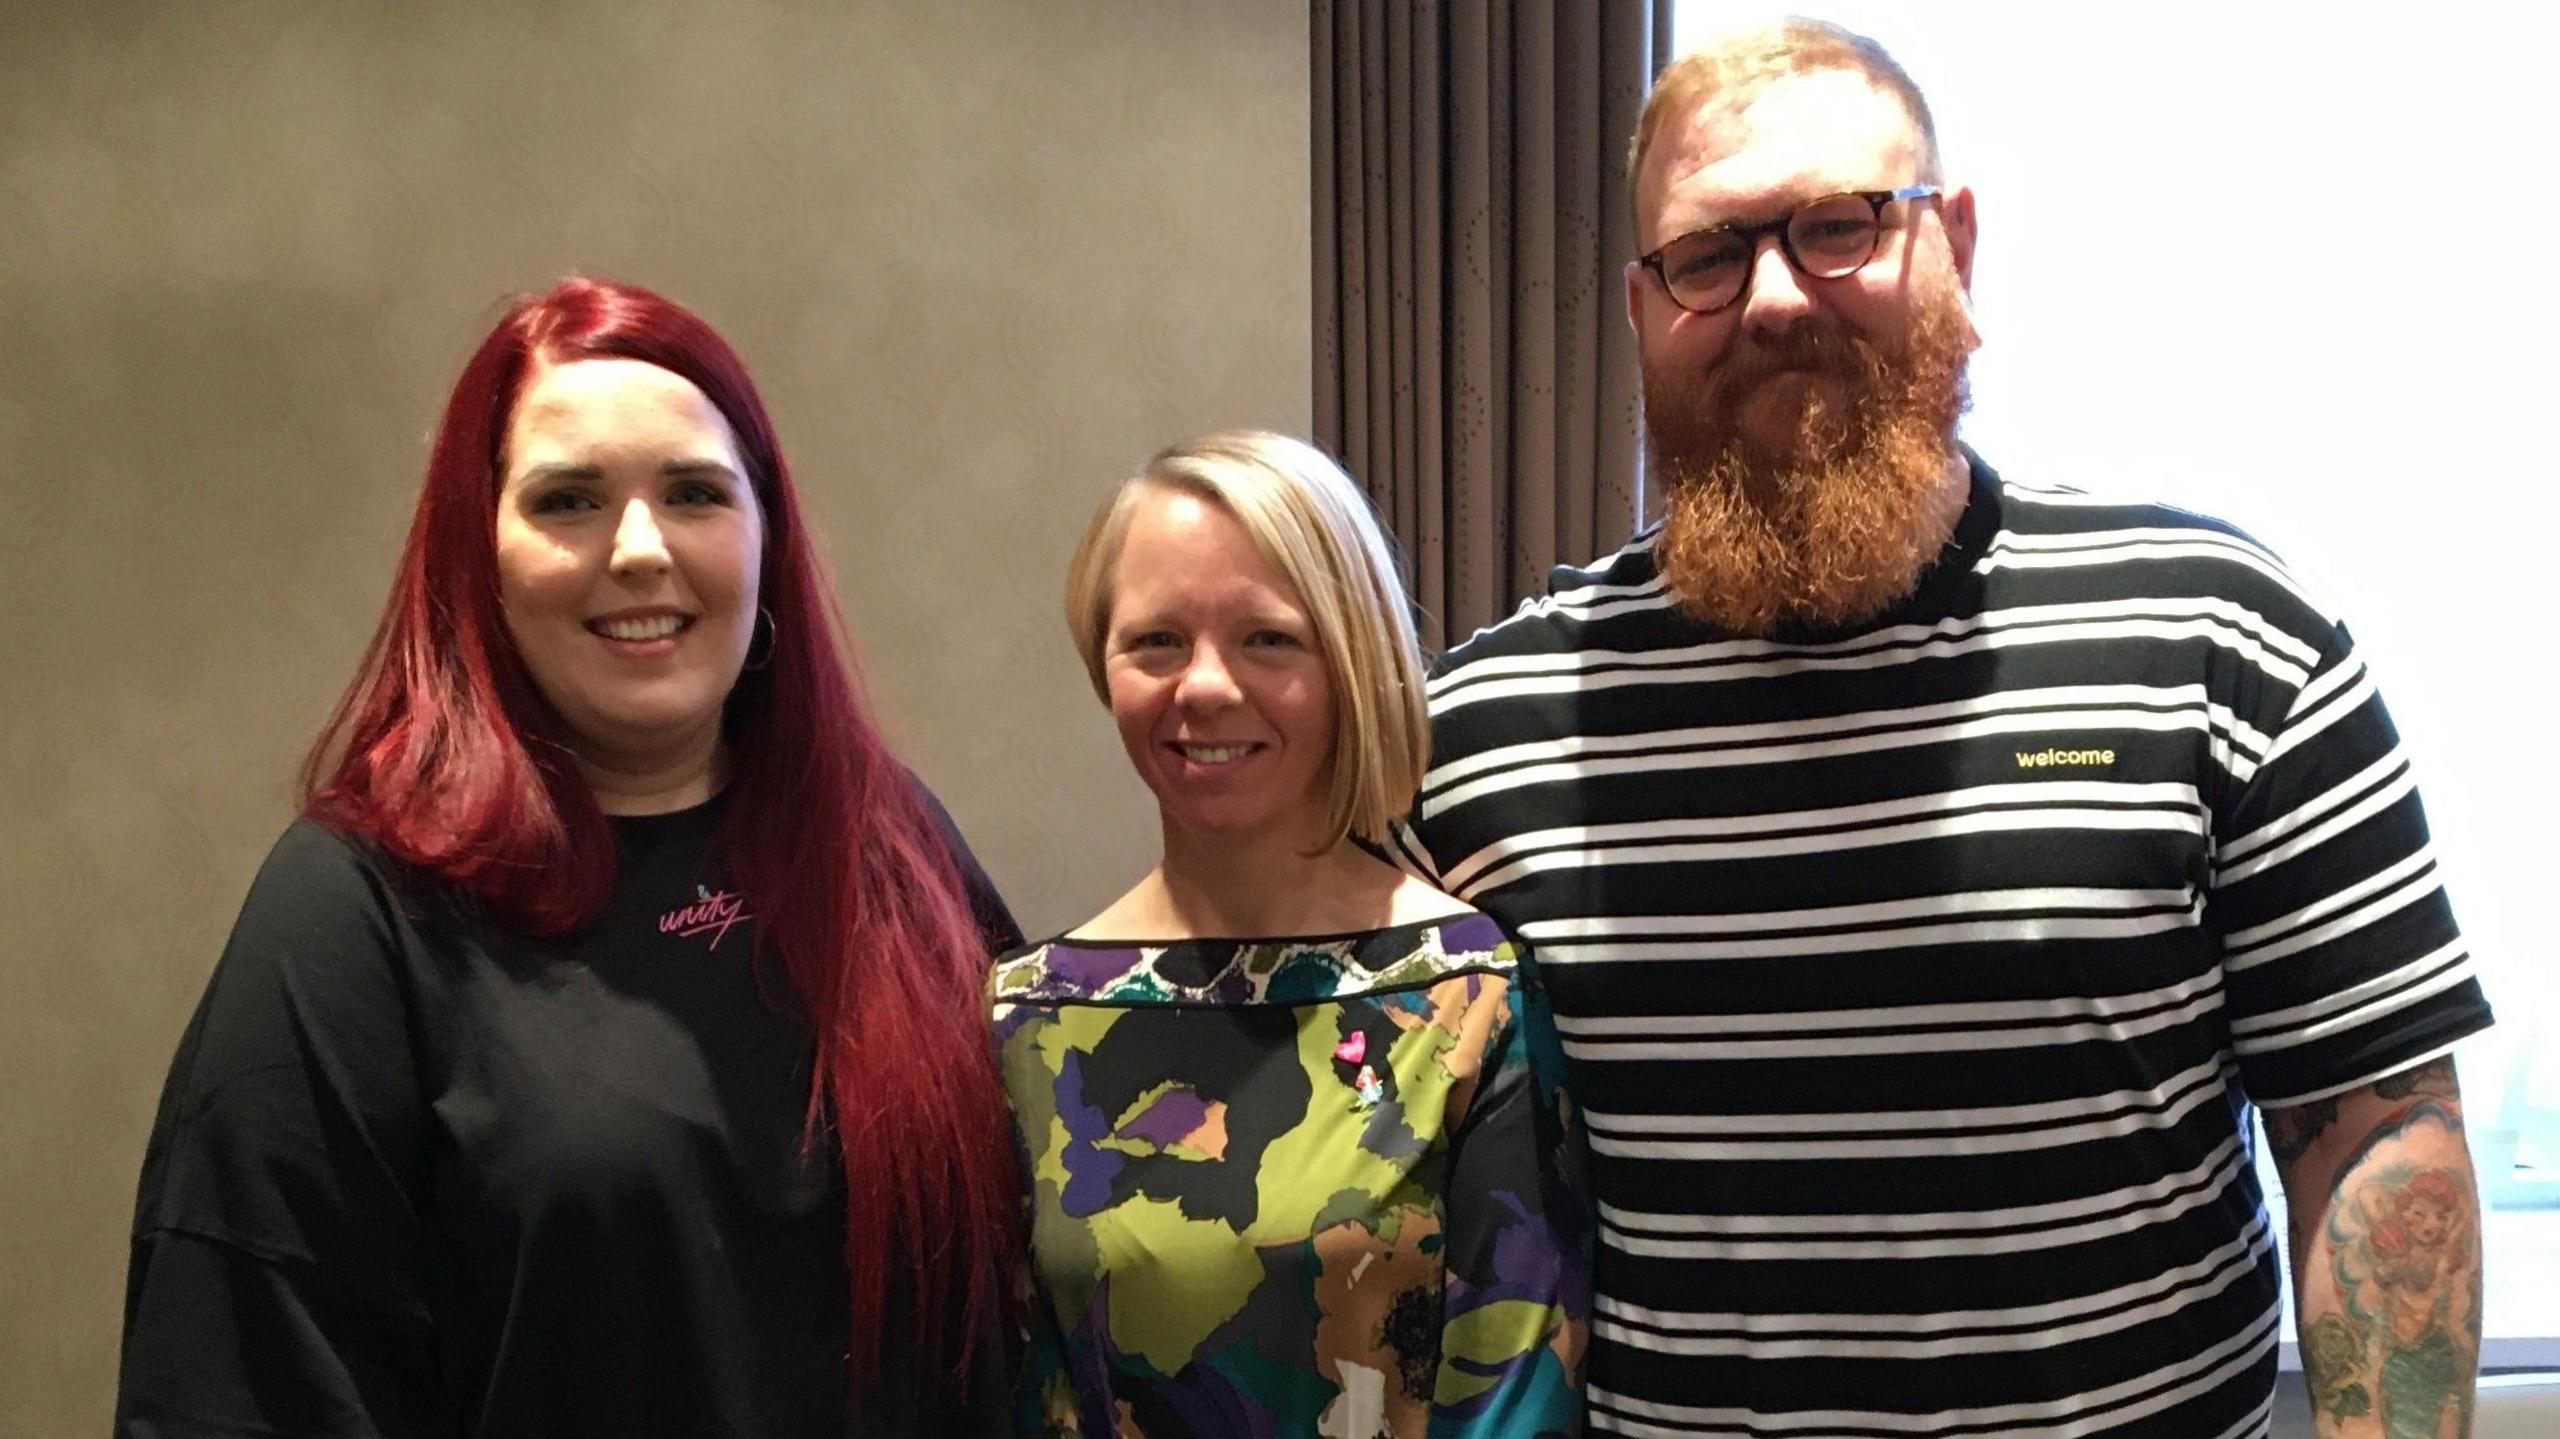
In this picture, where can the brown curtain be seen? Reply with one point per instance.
(1473, 366)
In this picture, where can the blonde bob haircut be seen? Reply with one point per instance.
(1314, 526)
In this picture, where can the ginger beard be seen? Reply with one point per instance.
(1836, 525)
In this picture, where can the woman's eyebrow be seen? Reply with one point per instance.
(538, 474)
(696, 469)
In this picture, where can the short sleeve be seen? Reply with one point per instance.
(1516, 1307)
(995, 920)
(276, 1276)
(2341, 958)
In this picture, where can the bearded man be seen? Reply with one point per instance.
(1929, 872)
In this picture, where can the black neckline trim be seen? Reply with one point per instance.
(1410, 926)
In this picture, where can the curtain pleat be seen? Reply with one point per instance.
(1325, 142)
(1473, 366)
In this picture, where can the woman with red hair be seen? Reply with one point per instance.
(603, 1050)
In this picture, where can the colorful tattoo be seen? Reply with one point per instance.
(2403, 1342)
(2332, 1363)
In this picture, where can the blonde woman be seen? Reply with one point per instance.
(1296, 1154)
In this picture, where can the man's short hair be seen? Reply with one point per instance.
(1740, 64)
(1310, 521)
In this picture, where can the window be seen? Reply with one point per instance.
(2294, 269)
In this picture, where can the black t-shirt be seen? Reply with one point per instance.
(416, 1174)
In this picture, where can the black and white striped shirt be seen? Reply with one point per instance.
(1916, 980)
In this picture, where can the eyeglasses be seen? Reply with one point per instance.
(1708, 270)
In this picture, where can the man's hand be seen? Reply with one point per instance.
(2385, 1243)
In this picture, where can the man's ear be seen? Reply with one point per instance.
(1958, 215)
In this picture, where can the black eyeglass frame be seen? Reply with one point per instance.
(1781, 227)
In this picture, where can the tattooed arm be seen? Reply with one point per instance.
(2385, 1243)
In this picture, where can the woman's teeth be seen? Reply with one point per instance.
(655, 627)
(1214, 753)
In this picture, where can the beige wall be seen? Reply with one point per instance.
(983, 256)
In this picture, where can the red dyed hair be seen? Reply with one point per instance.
(445, 754)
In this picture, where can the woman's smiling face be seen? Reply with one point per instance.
(629, 546)
(1221, 695)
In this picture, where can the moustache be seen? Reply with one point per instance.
(1805, 347)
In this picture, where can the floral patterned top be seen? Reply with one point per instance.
(1296, 1186)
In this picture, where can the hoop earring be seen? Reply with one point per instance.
(754, 660)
